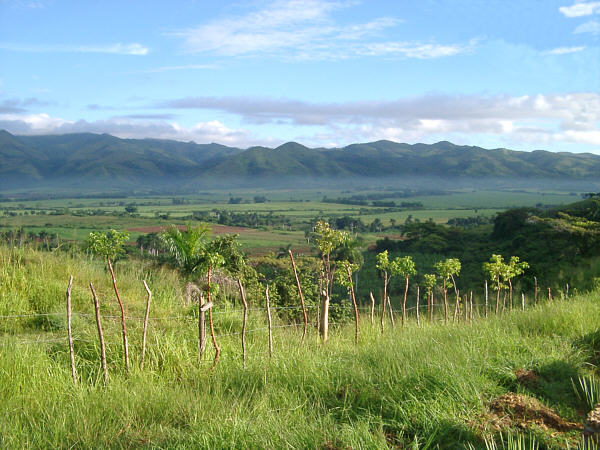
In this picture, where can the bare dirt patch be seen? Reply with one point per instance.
(527, 378)
(520, 411)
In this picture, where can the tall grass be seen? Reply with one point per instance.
(420, 387)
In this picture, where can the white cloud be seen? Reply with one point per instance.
(580, 9)
(592, 27)
(117, 49)
(184, 67)
(202, 132)
(564, 50)
(305, 30)
(537, 120)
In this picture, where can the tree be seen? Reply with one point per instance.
(383, 264)
(327, 239)
(195, 258)
(447, 270)
(429, 281)
(498, 272)
(109, 245)
(186, 247)
(344, 277)
(405, 267)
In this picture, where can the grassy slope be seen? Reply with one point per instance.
(430, 383)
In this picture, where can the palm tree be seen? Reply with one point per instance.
(187, 247)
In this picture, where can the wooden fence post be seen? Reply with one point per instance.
(549, 295)
(100, 334)
(486, 299)
(389, 302)
(372, 307)
(418, 299)
(523, 301)
(349, 273)
(456, 308)
(69, 335)
(209, 306)
(243, 294)
(123, 328)
(471, 303)
(269, 322)
(146, 317)
(301, 296)
(535, 291)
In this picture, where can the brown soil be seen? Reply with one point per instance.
(527, 378)
(516, 410)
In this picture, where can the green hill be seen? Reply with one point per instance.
(88, 157)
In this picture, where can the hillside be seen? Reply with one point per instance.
(34, 160)
(431, 386)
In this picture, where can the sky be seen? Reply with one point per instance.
(519, 74)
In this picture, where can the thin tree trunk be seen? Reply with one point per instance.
(269, 321)
(389, 302)
(123, 327)
(372, 307)
(69, 335)
(243, 295)
(418, 300)
(210, 322)
(535, 291)
(504, 302)
(146, 316)
(498, 297)
(301, 296)
(445, 303)
(510, 287)
(100, 334)
(353, 304)
(404, 302)
(456, 308)
(325, 316)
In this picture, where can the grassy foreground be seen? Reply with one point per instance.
(427, 387)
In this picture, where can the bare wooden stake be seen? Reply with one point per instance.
(471, 308)
(567, 290)
(418, 300)
(389, 302)
(69, 335)
(457, 307)
(349, 273)
(372, 307)
(384, 300)
(243, 295)
(549, 295)
(100, 334)
(431, 311)
(210, 322)
(486, 299)
(146, 317)
(301, 296)
(535, 291)
(523, 301)
(404, 301)
(269, 321)
(123, 328)
(201, 325)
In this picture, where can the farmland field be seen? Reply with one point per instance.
(294, 211)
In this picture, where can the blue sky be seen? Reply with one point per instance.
(496, 73)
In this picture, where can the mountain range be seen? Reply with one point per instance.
(73, 158)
